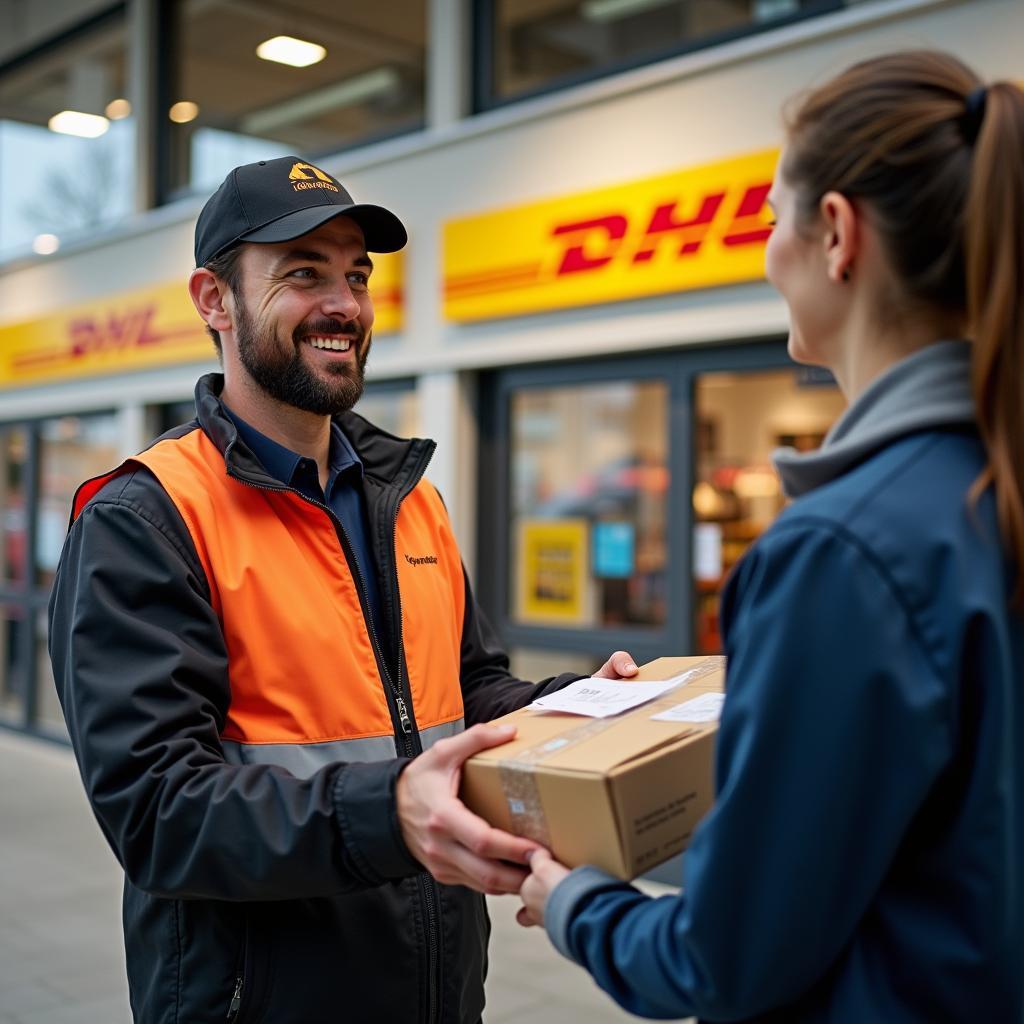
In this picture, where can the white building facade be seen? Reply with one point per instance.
(580, 318)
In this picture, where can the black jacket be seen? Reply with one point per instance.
(250, 894)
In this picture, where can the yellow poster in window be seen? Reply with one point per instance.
(553, 572)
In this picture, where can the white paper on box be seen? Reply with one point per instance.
(602, 698)
(705, 708)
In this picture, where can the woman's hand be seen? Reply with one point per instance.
(619, 666)
(545, 874)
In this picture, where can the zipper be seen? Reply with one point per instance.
(236, 999)
(403, 714)
(235, 1006)
(427, 885)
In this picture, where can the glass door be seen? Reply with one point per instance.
(741, 417)
(616, 495)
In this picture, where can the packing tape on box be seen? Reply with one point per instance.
(519, 781)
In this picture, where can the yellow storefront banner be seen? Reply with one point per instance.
(554, 579)
(693, 228)
(142, 330)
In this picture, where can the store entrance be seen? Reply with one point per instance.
(616, 495)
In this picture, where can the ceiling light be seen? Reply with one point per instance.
(612, 10)
(766, 10)
(357, 89)
(289, 50)
(44, 245)
(183, 111)
(74, 122)
(118, 109)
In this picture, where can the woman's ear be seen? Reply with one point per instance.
(840, 223)
(208, 294)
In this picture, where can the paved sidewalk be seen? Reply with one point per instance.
(61, 957)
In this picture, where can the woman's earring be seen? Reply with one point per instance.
(846, 274)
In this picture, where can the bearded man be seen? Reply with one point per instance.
(270, 659)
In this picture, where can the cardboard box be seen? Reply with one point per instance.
(624, 793)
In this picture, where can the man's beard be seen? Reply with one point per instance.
(287, 378)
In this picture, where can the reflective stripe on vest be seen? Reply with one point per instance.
(305, 759)
(301, 661)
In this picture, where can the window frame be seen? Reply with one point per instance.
(483, 61)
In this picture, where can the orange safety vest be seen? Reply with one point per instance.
(304, 680)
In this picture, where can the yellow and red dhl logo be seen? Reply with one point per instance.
(155, 327)
(142, 330)
(696, 228)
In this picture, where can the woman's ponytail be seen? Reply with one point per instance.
(994, 265)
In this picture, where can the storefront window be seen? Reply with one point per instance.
(395, 409)
(49, 715)
(72, 449)
(740, 419)
(13, 513)
(256, 81)
(66, 140)
(174, 414)
(536, 663)
(13, 568)
(589, 484)
(541, 44)
(12, 684)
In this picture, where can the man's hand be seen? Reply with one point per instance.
(451, 842)
(619, 666)
(545, 874)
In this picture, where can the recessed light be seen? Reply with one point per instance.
(183, 111)
(612, 10)
(118, 109)
(289, 50)
(44, 245)
(74, 122)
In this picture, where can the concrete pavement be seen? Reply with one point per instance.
(61, 955)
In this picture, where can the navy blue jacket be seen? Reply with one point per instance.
(864, 862)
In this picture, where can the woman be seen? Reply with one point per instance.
(864, 862)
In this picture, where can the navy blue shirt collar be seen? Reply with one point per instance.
(296, 470)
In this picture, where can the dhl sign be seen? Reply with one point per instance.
(143, 330)
(693, 228)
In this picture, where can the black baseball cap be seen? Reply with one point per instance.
(278, 200)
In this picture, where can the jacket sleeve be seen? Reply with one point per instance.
(141, 670)
(489, 690)
(835, 725)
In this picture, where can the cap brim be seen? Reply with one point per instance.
(382, 230)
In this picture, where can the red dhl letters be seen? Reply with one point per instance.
(676, 229)
(694, 227)
(116, 331)
(106, 334)
(596, 242)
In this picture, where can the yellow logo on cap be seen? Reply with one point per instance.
(301, 180)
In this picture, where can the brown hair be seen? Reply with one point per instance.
(939, 162)
(228, 267)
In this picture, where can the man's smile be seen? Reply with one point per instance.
(334, 344)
